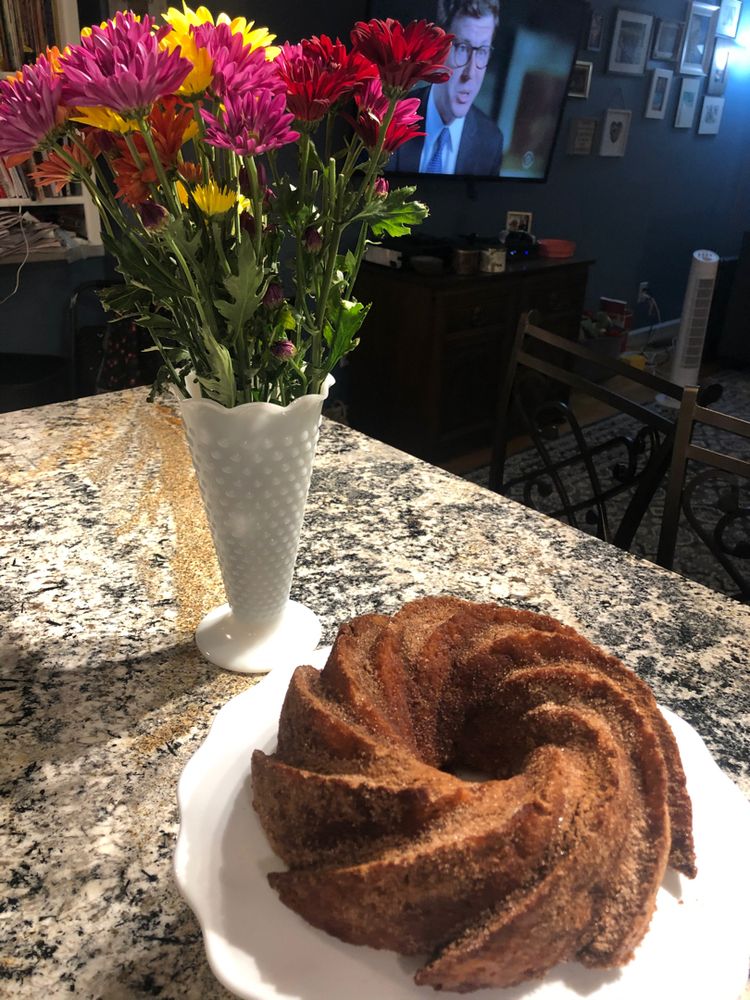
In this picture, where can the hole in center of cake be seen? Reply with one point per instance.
(469, 773)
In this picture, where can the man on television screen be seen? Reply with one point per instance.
(460, 139)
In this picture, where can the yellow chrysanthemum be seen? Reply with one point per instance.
(211, 199)
(103, 118)
(182, 21)
(200, 76)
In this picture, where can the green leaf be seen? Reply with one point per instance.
(345, 317)
(217, 384)
(243, 289)
(395, 214)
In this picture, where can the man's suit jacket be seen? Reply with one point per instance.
(480, 150)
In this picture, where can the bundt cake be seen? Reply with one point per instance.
(476, 783)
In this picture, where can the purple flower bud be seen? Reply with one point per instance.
(313, 240)
(283, 349)
(153, 216)
(274, 296)
(247, 224)
(381, 187)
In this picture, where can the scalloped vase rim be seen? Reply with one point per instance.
(314, 397)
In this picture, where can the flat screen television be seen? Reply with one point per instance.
(503, 117)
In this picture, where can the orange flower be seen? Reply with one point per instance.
(171, 126)
(54, 171)
(191, 172)
(133, 179)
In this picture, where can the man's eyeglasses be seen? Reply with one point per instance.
(462, 53)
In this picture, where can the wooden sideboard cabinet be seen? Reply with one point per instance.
(433, 349)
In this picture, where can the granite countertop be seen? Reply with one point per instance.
(107, 567)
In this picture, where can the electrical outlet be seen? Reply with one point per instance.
(643, 293)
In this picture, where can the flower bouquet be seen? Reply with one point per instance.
(214, 158)
(238, 184)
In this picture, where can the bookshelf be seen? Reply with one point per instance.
(62, 18)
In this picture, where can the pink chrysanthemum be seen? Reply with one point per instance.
(404, 55)
(372, 107)
(122, 67)
(318, 73)
(30, 108)
(251, 124)
(236, 67)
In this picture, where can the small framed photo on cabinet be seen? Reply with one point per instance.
(615, 129)
(630, 42)
(729, 18)
(710, 115)
(580, 79)
(518, 222)
(658, 94)
(697, 43)
(687, 103)
(667, 41)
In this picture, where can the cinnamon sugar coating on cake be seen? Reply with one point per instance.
(557, 854)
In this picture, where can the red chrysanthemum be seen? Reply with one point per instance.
(372, 107)
(404, 55)
(171, 126)
(318, 73)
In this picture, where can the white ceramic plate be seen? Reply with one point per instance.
(696, 948)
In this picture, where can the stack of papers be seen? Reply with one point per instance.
(22, 232)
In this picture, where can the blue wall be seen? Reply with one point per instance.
(640, 216)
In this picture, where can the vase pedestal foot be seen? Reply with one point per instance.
(246, 649)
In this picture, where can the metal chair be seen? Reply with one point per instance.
(714, 499)
(534, 398)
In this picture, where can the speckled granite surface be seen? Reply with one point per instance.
(106, 569)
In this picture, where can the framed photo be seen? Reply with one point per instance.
(710, 115)
(596, 31)
(729, 18)
(658, 94)
(580, 79)
(518, 222)
(700, 29)
(630, 42)
(717, 75)
(687, 103)
(667, 40)
(581, 136)
(615, 128)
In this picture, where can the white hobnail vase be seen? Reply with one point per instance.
(253, 463)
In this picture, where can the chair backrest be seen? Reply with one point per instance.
(723, 524)
(568, 365)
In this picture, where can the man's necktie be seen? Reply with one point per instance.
(435, 162)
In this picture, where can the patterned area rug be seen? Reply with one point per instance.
(692, 557)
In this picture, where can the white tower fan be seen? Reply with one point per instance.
(688, 348)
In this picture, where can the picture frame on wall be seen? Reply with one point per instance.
(581, 136)
(596, 31)
(717, 74)
(687, 102)
(697, 42)
(631, 41)
(658, 93)
(711, 112)
(728, 20)
(615, 130)
(580, 79)
(667, 38)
